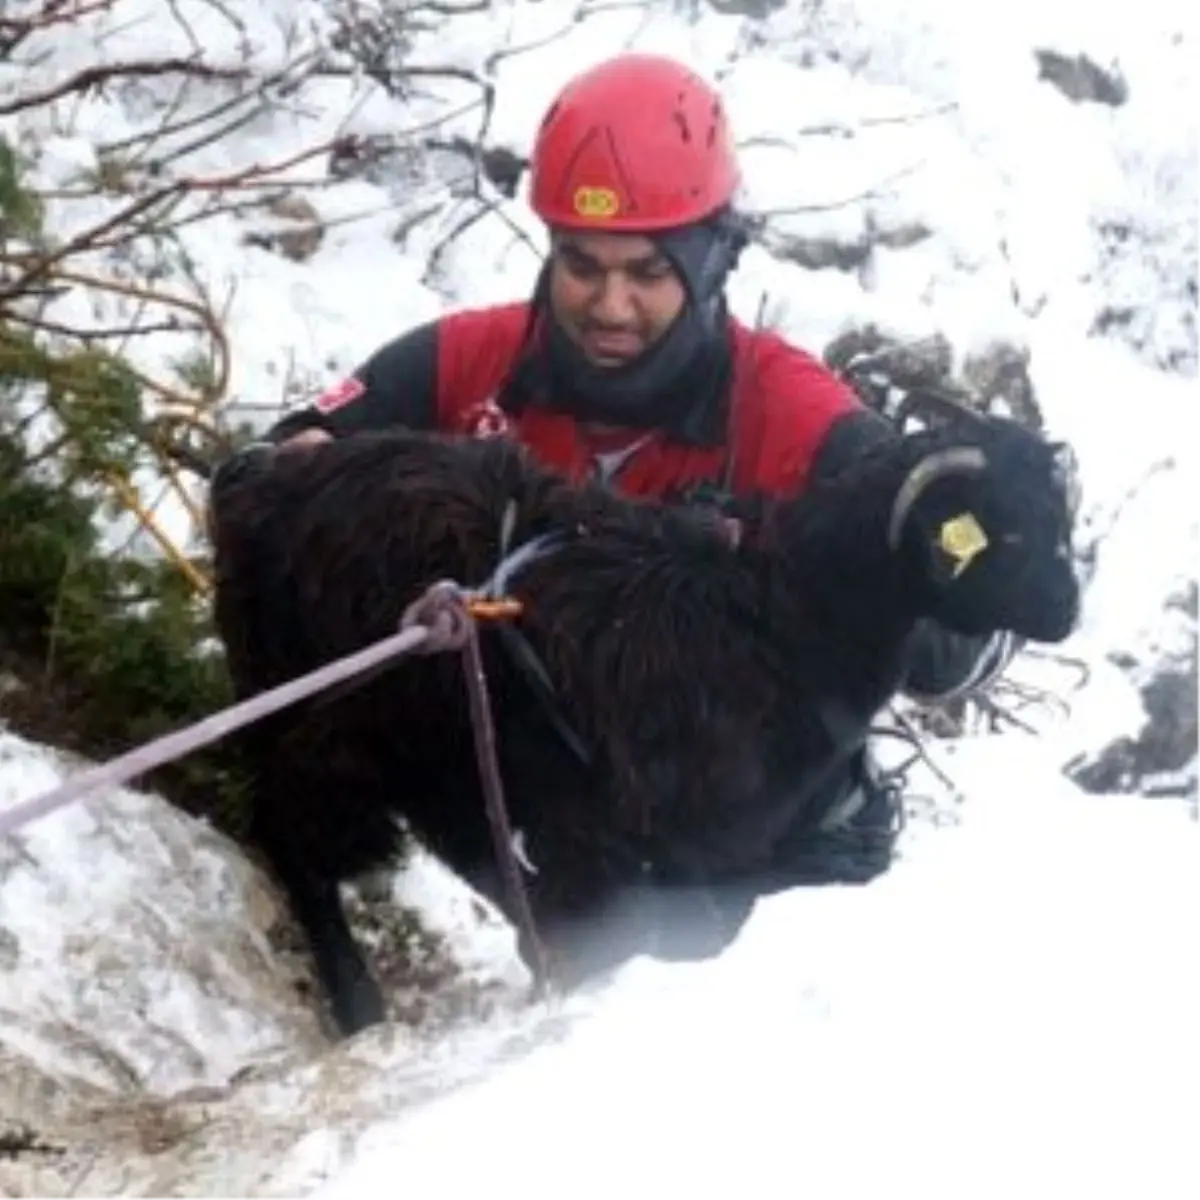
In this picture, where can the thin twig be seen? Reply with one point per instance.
(102, 333)
(96, 76)
(870, 193)
(45, 265)
(14, 30)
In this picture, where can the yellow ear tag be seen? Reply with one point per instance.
(962, 538)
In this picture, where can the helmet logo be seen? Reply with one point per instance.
(599, 203)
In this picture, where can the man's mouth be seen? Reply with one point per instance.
(612, 344)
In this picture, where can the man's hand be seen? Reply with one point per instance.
(257, 456)
(306, 437)
(254, 456)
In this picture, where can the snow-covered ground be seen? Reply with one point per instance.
(1015, 1009)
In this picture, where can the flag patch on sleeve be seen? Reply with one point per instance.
(341, 394)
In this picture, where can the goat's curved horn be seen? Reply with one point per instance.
(933, 400)
(957, 460)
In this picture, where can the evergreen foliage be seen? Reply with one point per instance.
(107, 649)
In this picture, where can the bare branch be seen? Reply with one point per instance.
(844, 129)
(102, 334)
(44, 264)
(151, 198)
(185, 25)
(14, 30)
(260, 101)
(96, 76)
(276, 79)
(449, 10)
(871, 193)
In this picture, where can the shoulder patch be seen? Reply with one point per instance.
(341, 394)
(485, 419)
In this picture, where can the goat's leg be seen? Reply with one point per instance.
(353, 994)
(321, 806)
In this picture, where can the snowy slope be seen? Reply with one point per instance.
(1013, 1009)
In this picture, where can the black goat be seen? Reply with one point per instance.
(712, 685)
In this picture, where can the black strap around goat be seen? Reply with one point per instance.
(525, 659)
(521, 654)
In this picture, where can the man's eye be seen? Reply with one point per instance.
(580, 267)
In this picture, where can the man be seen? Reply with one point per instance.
(626, 365)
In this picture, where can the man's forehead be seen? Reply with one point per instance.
(609, 249)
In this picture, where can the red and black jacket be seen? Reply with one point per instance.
(784, 419)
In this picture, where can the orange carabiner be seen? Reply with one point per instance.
(494, 610)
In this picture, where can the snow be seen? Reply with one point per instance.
(1013, 1009)
(82, 891)
(989, 1021)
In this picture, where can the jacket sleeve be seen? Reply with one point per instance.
(941, 664)
(396, 386)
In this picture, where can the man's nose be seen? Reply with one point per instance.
(615, 303)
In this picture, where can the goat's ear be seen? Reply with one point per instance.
(951, 546)
(949, 543)
(961, 539)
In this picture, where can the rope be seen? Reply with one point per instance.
(444, 618)
(210, 729)
(503, 838)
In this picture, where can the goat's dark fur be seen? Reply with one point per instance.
(698, 673)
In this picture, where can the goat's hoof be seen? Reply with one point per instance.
(358, 1006)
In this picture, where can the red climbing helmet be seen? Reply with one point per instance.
(637, 144)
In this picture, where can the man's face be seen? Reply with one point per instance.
(614, 294)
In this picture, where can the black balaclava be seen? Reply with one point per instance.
(679, 382)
